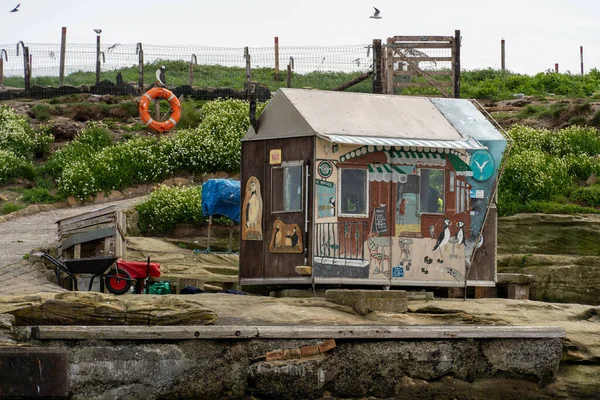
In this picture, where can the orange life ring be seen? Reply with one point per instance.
(173, 102)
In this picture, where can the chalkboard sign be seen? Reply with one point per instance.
(379, 220)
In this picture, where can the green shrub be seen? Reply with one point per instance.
(17, 136)
(41, 112)
(12, 166)
(167, 206)
(191, 116)
(589, 195)
(76, 179)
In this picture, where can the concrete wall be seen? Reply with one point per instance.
(233, 369)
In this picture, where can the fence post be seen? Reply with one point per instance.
(140, 53)
(456, 66)
(26, 69)
(3, 56)
(63, 50)
(248, 74)
(581, 58)
(556, 68)
(97, 59)
(290, 68)
(194, 60)
(277, 58)
(502, 55)
(377, 58)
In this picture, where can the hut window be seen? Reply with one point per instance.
(432, 191)
(353, 192)
(286, 187)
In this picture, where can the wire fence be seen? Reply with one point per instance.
(45, 58)
(321, 67)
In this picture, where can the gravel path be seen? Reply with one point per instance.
(21, 235)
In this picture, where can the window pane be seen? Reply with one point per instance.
(354, 191)
(432, 191)
(287, 188)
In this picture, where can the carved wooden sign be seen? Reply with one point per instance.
(252, 211)
(286, 238)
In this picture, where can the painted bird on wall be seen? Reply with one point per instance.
(443, 239)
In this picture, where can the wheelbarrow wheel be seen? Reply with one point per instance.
(118, 282)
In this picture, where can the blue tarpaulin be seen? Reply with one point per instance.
(222, 197)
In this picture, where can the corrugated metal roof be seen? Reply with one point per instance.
(470, 144)
(372, 115)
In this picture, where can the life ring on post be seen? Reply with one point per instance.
(155, 93)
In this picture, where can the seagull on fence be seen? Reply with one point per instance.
(376, 14)
(98, 31)
(16, 8)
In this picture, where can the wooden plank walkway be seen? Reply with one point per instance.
(435, 332)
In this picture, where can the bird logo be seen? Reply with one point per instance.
(481, 166)
(16, 8)
(375, 14)
(98, 31)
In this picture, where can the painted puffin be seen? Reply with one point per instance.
(443, 239)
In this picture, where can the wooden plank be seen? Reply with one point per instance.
(435, 332)
(77, 251)
(422, 38)
(389, 68)
(91, 214)
(88, 237)
(423, 59)
(65, 228)
(64, 235)
(432, 73)
(421, 45)
(353, 82)
(422, 84)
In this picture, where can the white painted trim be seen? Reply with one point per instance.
(275, 281)
(341, 261)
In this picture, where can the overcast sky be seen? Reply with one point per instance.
(537, 33)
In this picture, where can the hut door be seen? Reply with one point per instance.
(287, 240)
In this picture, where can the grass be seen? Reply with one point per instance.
(479, 84)
(8, 208)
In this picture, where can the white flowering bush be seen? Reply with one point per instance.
(12, 166)
(17, 136)
(215, 145)
(167, 206)
(82, 149)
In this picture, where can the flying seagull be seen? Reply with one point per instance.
(98, 31)
(376, 14)
(16, 8)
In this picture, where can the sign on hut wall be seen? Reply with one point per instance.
(252, 211)
(286, 238)
(325, 198)
(379, 224)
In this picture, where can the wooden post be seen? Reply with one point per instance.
(556, 68)
(389, 67)
(248, 74)
(290, 68)
(3, 56)
(581, 58)
(277, 58)
(193, 61)
(209, 229)
(377, 63)
(502, 55)
(456, 66)
(97, 59)
(139, 50)
(63, 51)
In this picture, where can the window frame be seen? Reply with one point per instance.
(367, 189)
(443, 171)
(283, 165)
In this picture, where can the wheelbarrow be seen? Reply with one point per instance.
(118, 279)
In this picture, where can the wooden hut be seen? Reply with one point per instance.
(364, 189)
